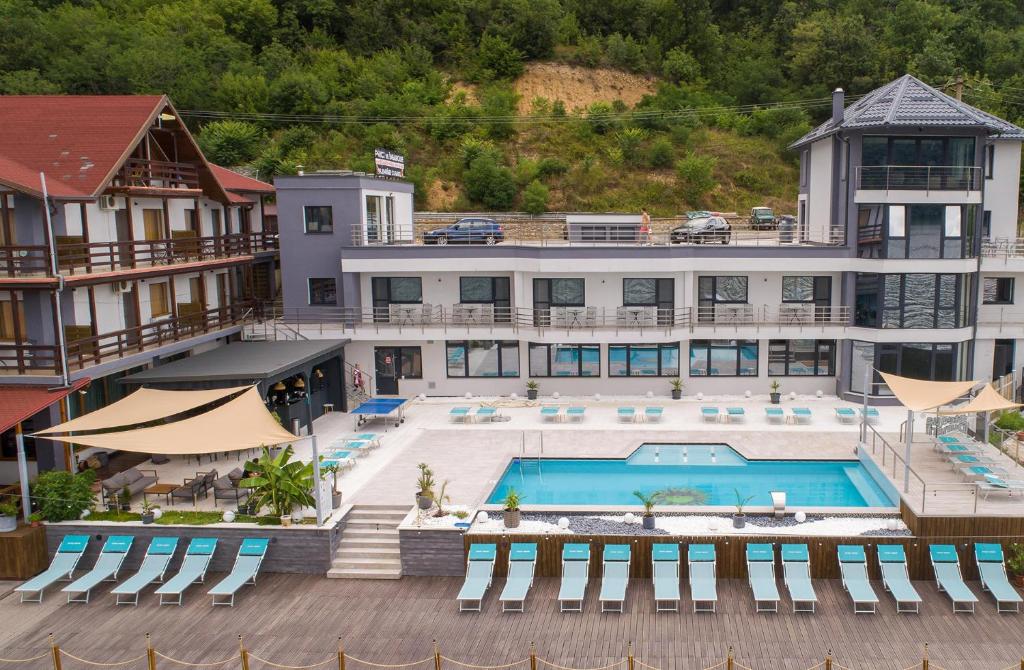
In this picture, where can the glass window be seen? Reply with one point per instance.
(935, 362)
(797, 358)
(914, 300)
(319, 219)
(483, 358)
(643, 360)
(953, 227)
(323, 291)
(387, 290)
(494, 291)
(723, 358)
(815, 290)
(558, 293)
(565, 360)
(712, 291)
(897, 221)
(874, 150)
(997, 291)
(410, 362)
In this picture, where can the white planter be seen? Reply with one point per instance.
(8, 523)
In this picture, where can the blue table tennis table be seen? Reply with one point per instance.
(385, 409)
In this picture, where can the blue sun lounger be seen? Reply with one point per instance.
(954, 448)
(372, 438)
(485, 414)
(653, 414)
(550, 413)
(192, 571)
(871, 414)
(154, 565)
(774, 414)
(458, 414)
(796, 573)
(615, 577)
(575, 573)
(108, 563)
(761, 575)
(62, 568)
(853, 566)
(479, 572)
(946, 564)
(575, 413)
(846, 415)
(247, 566)
(801, 414)
(892, 560)
(709, 414)
(665, 560)
(735, 414)
(700, 560)
(522, 563)
(627, 414)
(992, 570)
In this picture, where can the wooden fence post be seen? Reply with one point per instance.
(437, 656)
(150, 654)
(54, 653)
(533, 658)
(243, 654)
(828, 660)
(629, 655)
(924, 659)
(728, 660)
(341, 656)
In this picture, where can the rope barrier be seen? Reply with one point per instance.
(562, 667)
(486, 667)
(104, 665)
(388, 665)
(195, 665)
(25, 660)
(292, 667)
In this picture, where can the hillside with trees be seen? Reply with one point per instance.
(671, 104)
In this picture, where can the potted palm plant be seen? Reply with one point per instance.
(126, 500)
(147, 511)
(775, 395)
(648, 501)
(677, 388)
(739, 519)
(532, 388)
(425, 487)
(331, 468)
(510, 512)
(279, 483)
(1015, 563)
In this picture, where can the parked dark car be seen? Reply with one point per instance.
(467, 231)
(702, 231)
(762, 218)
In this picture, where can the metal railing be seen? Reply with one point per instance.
(918, 178)
(1003, 247)
(140, 173)
(554, 232)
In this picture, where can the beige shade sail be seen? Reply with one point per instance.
(141, 407)
(920, 394)
(988, 400)
(241, 423)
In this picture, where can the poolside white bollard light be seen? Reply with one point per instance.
(792, 395)
(556, 395)
(513, 396)
(597, 396)
(469, 396)
(157, 513)
(700, 396)
(713, 524)
(800, 517)
(891, 524)
(229, 516)
(423, 396)
(563, 523)
(629, 518)
(746, 394)
(819, 393)
(650, 394)
(482, 517)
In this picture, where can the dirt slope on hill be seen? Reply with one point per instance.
(578, 87)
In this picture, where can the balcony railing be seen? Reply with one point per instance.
(555, 232)
(1003, 247)
(918, 178)
(487, 318)
(85, 352)
(74, 258)
(142, 174)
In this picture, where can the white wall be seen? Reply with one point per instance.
(1001, 191)
(819, 190)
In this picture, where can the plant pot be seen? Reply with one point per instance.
(775, 397)
(424, 502)
(126, 507)
(243, 508)
(147, 517)
(511, 517)
(677, 394)
(1018, 580)
(111, 507)
(335, 500)
(8, 523)
(648, 521)
(739, 520)
(286, 519)
(531, 394)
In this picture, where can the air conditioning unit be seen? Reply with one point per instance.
(122, 286)
(108, 202)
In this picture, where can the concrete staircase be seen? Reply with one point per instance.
(369, 544)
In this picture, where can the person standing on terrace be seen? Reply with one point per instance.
(645, 227)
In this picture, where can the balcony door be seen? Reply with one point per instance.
(130, 309)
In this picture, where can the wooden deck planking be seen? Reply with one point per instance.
(297, 620)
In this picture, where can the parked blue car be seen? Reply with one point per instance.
(467, 231)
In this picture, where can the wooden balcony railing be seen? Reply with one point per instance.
(74, 258)
(88, 351)
(142, 174)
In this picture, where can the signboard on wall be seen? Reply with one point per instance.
(388, 163)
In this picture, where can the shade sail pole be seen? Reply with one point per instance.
(316, 480)
(906, 451)
(26, 501)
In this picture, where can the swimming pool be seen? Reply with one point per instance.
(690, 474)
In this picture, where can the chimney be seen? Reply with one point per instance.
(838, 100)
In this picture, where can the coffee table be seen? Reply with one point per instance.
(160, 490)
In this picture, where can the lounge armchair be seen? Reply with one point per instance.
(846, 415)
(992, 571)
(458, 414)
(735, 414)
(892, 559)
(665, 559)
(796, 574)
(575, 413)
(226, 488)
(247, 565)
(653, 414)
(615, 577)
(194, 487)
(946, 564)
(62, 568)
(709, 414)
(774, 414)
(575, 574)
(627, 414)
(801, 415)
(108, 563)
(853, 566)
(133, 479)
(479, 572)
(522, 563)
(154, 565)
(550, 413)
(485, 414)
(700, 560)
(761, 575)
(870, 414)
(192, 571)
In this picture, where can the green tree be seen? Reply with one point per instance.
(496, 58)
(535, 197)
(680, 66)
(251, 21)
(490, 184)
(661, 153)
(230, 142)
(696, 178)
(26, 82)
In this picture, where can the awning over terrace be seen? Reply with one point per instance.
(919, 395)
(988, 400)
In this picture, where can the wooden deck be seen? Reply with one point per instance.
(297, 620)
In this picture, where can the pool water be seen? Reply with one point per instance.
(690, 474)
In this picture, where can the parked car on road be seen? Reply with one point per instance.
(762, 218)
(702, 231)
(467, 231)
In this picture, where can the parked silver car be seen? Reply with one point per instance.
(702, 231)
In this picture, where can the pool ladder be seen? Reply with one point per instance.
(529, 463)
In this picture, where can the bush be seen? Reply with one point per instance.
(490, 184)
(230, 142)
(629, 140)
(63, 496)
(473, 148)
(1012, 421)
(496, 58)
(551, 167)
(660, 154)
(624, 52)
(695, 176)
(535, 198)
(601, 117)
(679, 66)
